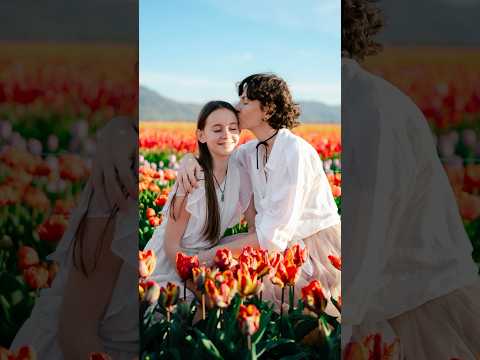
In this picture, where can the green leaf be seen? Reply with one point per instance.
(271, 344)
(207, 345)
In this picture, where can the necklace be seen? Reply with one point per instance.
(224, 185)
(265, 145)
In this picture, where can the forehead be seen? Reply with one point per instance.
(221, 117)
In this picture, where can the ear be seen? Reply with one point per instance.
(201, 136)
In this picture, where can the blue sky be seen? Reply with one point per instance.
(197, 50)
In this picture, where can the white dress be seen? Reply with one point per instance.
(237, 196)
(119, 331)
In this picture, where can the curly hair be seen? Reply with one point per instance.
(361, 21)
(274, 96)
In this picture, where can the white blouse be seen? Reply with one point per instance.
(292, 195)
(403, 240)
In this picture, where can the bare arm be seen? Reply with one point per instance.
(86, 299)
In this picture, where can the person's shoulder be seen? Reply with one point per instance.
(247, 146)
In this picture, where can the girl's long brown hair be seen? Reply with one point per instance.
(211, 228)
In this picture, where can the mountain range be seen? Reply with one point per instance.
(154, 107)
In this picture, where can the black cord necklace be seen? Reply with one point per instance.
(224, 185)
(265, 145)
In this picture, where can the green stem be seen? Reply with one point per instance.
(185, 290)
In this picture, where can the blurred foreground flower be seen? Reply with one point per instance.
(149, 291)
(99, 356)
(27, 256)
(147, 261)
(36, 276)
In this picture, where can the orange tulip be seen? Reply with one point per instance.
(150, 212)
(221, 293)
(248, 283)
(147, 261)
(169, 296)
(249, 319)
(296, 255)
(286, 274)
(27, 256)
(314, 298)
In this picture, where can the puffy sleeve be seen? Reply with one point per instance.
(379, 167)
(284, 199)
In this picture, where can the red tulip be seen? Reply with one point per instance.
(161, 200)
(185, 264)
(224, 259)
(314, 298)
(249, 319)
(336, 261)
(147, 261)
(52, 229)
(286, 274)
(296, 255)
(27, 256)
(36, 276)
(274, 259)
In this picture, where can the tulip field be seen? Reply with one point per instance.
(229, 317)
(52, 100)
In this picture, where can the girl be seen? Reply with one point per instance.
(195, 221)
(292, 195)
(92, 305)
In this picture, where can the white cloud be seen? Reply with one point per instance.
(201, 89)
(328, 93)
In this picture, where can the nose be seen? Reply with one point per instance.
(237, 106)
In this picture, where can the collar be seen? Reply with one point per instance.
(278, 148)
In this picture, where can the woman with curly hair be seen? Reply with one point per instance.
(409, 270)
(291, 193)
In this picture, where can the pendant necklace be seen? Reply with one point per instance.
(224, 185)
